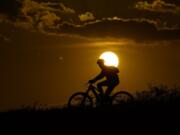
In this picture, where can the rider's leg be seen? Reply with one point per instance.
(111, 86)
(100, 85)
(100, 89)
(108, 92)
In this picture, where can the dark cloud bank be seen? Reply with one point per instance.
(137, 20)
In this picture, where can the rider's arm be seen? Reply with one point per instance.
(98, 77)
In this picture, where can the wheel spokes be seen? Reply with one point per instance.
(80, 100)
(121, 97)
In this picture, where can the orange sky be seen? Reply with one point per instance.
(48, 49)
(49, 76)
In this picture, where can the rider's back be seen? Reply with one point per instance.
(111, 74)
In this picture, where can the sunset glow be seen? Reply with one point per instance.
(110, 58)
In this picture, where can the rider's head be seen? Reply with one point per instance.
(100, 62)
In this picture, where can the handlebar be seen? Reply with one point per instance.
(91, 86)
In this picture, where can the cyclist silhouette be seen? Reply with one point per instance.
(92, 97)
(111, 75)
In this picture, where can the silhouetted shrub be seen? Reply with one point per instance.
(158, 93)
(151, 98)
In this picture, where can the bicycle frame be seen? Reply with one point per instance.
(95, 92)
(93, 89)
(99, 100)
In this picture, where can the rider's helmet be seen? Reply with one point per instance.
(100, 61)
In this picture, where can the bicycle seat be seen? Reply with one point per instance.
(91, 86)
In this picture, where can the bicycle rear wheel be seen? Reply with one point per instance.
(121, 97)
(80, 99)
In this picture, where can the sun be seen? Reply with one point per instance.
(110, 58)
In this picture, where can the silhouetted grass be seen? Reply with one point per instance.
(158, 102)
(152, 98)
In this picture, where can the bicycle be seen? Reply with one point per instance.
(92, 98)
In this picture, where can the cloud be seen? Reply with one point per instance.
(160, 25)
(31, 6)
(48, 20)
(141, 30)
(158, 6)
(140, 20)
(111, 19)
(66, 9)
(86, 16)
(36, 14)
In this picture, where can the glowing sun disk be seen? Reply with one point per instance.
(110, 58)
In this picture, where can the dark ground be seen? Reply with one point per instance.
(155, 109)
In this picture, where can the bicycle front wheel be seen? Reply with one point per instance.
(80, 99)
(121, 97)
